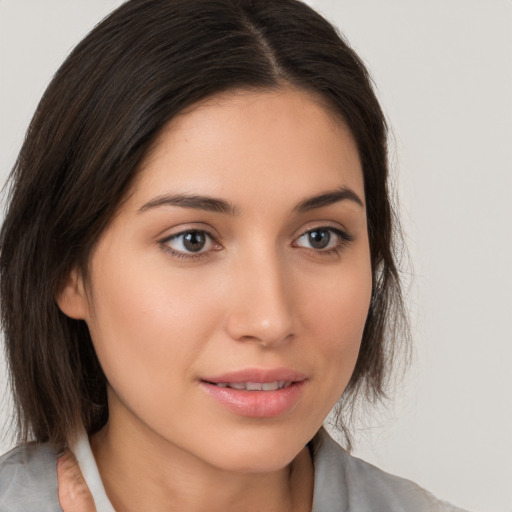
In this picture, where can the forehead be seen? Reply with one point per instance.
(258, 141)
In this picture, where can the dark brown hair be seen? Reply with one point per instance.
(146, 62)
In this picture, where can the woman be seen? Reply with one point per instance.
(197, 265)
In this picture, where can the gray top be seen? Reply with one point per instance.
(28, 482)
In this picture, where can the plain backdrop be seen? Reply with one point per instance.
(443, 72)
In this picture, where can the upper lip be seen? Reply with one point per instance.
(257, 375)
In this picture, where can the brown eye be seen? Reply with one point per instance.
(190, 242)
(323, 239)
(194, 241)
(319, 238)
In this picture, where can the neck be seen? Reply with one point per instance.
(141, 473)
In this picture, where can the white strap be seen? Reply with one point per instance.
(84, 456)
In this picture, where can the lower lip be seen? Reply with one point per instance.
(256, 404)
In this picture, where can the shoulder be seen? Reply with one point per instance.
(28, 479)
(344, 482)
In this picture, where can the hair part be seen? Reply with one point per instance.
(144, 64)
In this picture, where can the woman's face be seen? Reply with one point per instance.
(240, 259)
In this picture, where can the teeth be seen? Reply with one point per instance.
(255, 386)
(237, 385)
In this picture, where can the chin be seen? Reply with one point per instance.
(258, 450)
(257, 462)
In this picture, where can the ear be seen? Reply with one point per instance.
(71, 297)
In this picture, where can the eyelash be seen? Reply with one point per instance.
(343, 239)
(187, 255)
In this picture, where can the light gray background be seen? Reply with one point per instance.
(444, 75)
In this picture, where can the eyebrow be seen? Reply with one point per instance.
(213, 204)
(199, 202)
(328, 198)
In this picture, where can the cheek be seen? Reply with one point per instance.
(147, 326)
(339, 328)
(338, 305)
(336, 313)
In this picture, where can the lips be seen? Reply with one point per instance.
(257, 375)
(257, 393)
(255, 386)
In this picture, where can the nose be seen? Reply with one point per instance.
(262, 301)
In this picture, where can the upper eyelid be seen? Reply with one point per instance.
(343, 235)
(167, 238)
(206, 227)
(181, 232)
(164, 244)
(186, 231)
(336, 229)
(215, 237)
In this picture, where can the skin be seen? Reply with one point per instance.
(74, 495)
(258, 295)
